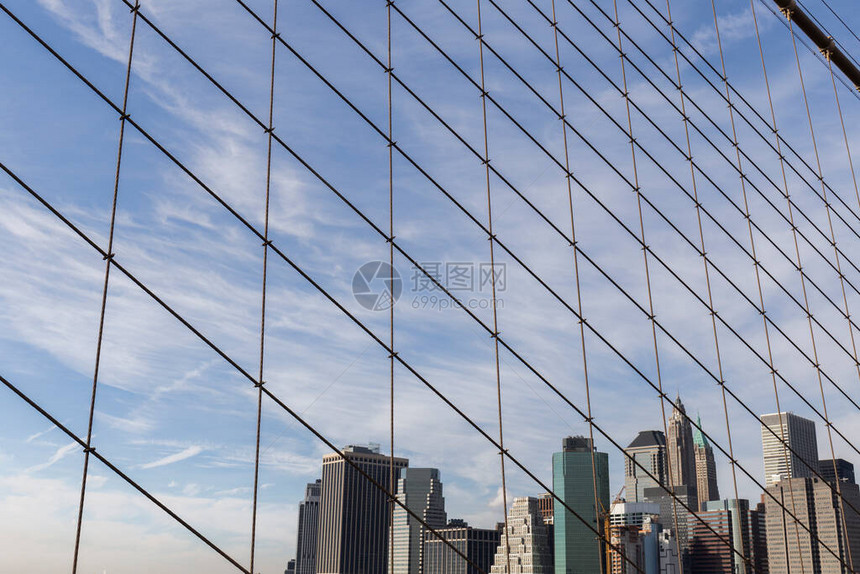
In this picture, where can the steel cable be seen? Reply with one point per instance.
(573, 243)
(651, 315)
(107, 258)
(844, 296)
(479, 37)
(261, 380)
(364, 217)
(298, 269)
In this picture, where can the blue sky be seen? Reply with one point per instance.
(181, 421)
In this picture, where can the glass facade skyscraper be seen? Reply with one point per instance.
(574, 478)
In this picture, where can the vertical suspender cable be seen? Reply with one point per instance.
(495, 334)
(109, 255)
(651, 315)
(392, 484)
(598, 511)
(845, 139)
(712, 312)
(788, 14)
(747, 213)
(266, 243)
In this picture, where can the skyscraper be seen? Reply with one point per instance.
(706, 468)
(649, 450)
(843, 472)
(630, 527)
(792, 547)
(799, 434)
(420, 489)
(680, 452)
(523, 548)
(477, 544)
(306, 540)
(546, 503)
(674, 513)
(354, 513)
(726, 538)
(577, 548)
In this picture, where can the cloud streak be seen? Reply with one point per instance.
(189, 452)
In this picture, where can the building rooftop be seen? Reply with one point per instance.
(699, 439)
(648, 438)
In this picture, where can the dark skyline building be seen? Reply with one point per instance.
(420, 489)
(354, 514)
(844, 471)
(649, 450)
(731, 521)
(576, 471)
(306, 538)
(477, 544)
(546, 504)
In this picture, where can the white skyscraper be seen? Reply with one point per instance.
(799, 434)
(525, 545)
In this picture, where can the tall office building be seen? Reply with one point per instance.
(633, 547)
(674, 513)
(354, 513)
(649, 450)
(680, 452)
(833, 470)
(477, 544)
(523, 548)
(706, 468)
(798, 433)
(823, 544)
(420, 490)
(759, 537)
(726, 538)
(577, 549)
(306, 540)
(546, 503)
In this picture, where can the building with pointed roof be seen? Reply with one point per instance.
(706, 468)
(680, 452)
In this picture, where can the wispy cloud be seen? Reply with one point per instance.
(170, 459)
(59, 455)
(34, 436)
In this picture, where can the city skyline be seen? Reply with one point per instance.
(647, 529)
(212, 343)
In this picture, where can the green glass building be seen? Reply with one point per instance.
(578, 549)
